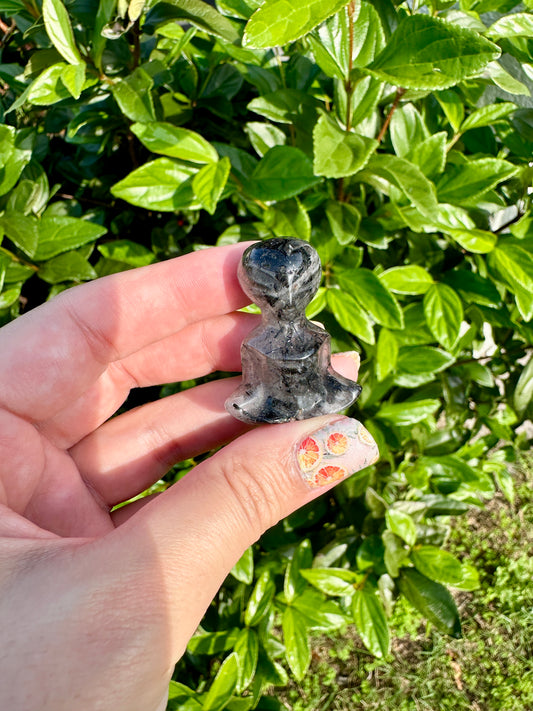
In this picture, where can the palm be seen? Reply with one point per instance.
(65, 375)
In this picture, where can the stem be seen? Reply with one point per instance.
(399, 93)
(349, 87)
(18, 259)
(136, 44)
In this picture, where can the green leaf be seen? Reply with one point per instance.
(243, 570)
(223, 686)
(127, 252)
(444, 314)
(344, 220)
(317, 304)
(518, 24)
(295, 638)
(523, 392)
(208, 184)
(505, 80)
(373, 296)
(288, 218)
(453, 107)
(48, 88)
(339, 153)
(430, 155)
(408, 413)
(213, 642)
(407, 129)
(386, 354)
(264, 136)
(432, 600)
(134, 97)
(197, 13)
(22, 230)
(513, 265)
(330, 45)
(428, 53)
(70, 266)
(59, 29)
(278, 22)
(395, 553)
(17, 155)
(350, 315)
(317, 612)
(10, 296)
(284, 105)
(417, 360)
(104, 15)
(408, 178)
(260, 600)
(175, 142)
(163, 184)
(441, 566)
(283, 172)
(371, 621)
(60, 234)
(402, 525)
(294, 584)
(337, 582)
(410, 279)
(476, 241)
(246, 651)
(73, 77)
(472, 179)
(487, 115)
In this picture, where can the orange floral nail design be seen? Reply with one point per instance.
(334, 452)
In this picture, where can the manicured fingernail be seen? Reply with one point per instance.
(335, 452)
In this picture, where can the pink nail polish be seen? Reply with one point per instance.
(335, 452)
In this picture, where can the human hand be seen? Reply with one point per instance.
(97, 606)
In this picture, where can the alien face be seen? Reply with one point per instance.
(283, 273)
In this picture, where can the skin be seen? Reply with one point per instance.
(97, 606)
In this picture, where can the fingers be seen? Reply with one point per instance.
(52, 355)
(189, 537)
(197, 350)
(132, 451)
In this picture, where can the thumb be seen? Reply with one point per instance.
(190, 536)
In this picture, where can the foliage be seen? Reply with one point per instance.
(397, 139)
(490, 668)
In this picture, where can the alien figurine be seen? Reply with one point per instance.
(286, 360)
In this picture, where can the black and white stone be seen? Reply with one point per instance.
(286, 360)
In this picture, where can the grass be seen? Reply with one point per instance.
(489, 669)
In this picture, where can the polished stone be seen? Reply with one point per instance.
(286, 360)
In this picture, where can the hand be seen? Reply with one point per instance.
(97, 606)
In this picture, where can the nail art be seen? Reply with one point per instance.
(334, 452)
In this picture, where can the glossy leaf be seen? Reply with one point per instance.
(294, 583)
(473, 178)
(410, 279)
(247, 651)
(350, 315)
(260, 600)
(288, 218)
(70, 266)
(523, 392)
(175, 142)
(416, 360)
(162, 184)
(336, 582)
(408, 413)
(197, 13)
(278, 22)
(373, 296)
(518, 24)
(476, 241)
(344, 220)
(60, 234)
(432, 600)
(487, 115)
(133, 95)
(371, 621)
(264, 136)
(441, 566)
(127, 252)
(386, 354)
(243, 570)
(59, 29)
(223, 686)
(402, 525)
(73, 77)
(297, 648)
(428, 53)
(209, 183)
(444, 314)
(213, 642)
(339, 153)
(282, 173)
(48, 88)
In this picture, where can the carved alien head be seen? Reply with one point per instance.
(281, 273)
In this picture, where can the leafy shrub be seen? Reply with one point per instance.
(397, 139)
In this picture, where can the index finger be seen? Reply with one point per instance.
(53, 354)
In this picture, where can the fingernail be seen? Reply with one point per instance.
(335, 452)
(352, 355)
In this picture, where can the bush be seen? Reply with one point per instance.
(397, 139)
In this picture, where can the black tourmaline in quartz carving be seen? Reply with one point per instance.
(286, 361)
